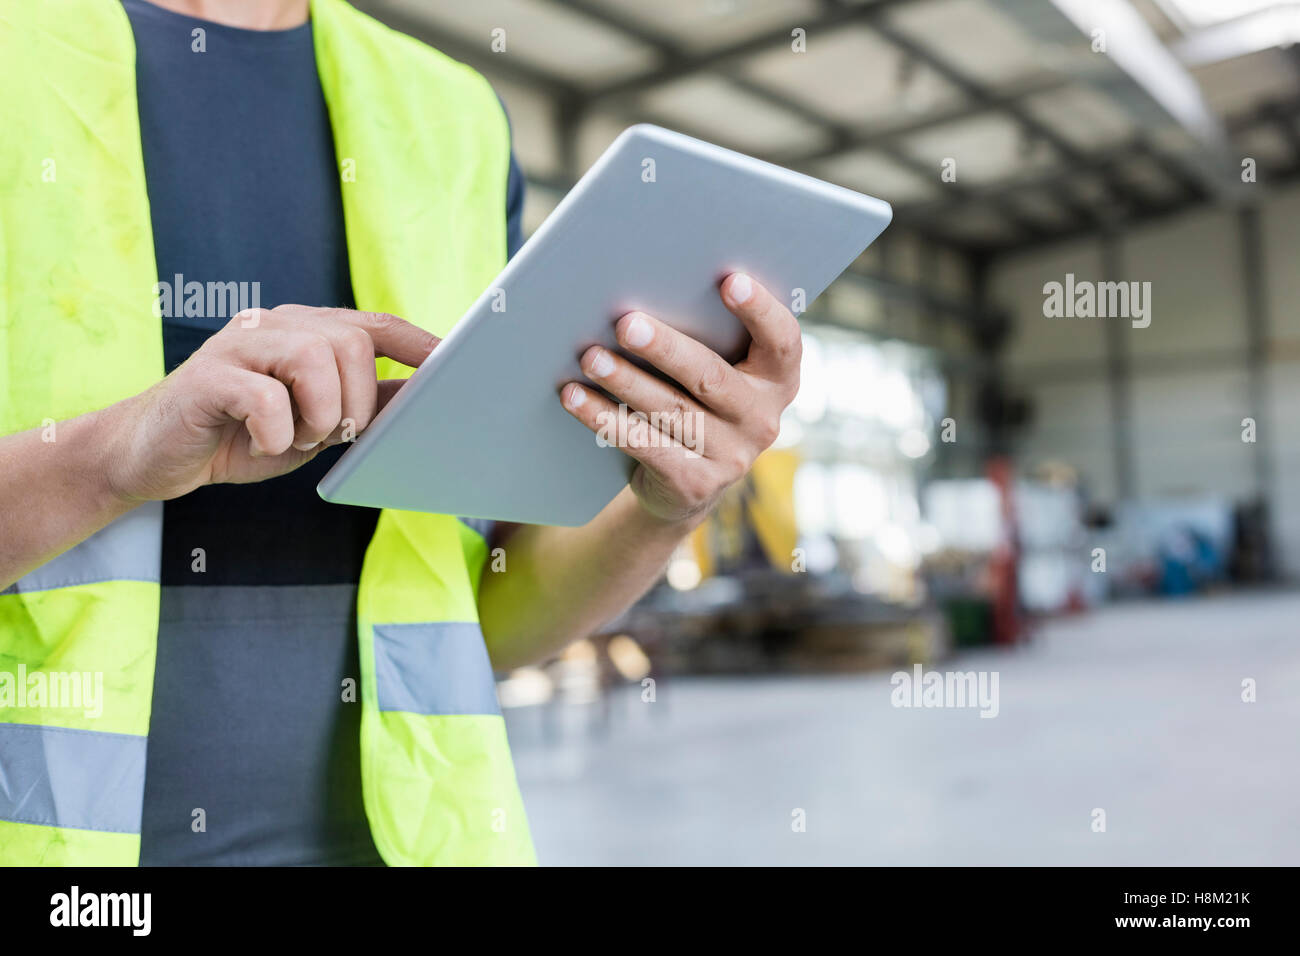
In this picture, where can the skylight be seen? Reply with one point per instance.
(1198, 14)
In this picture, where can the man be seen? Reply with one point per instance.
(283, 681)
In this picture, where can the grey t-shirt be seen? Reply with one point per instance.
(253, 752)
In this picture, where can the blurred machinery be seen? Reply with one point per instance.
(754, 526)
(740, 596)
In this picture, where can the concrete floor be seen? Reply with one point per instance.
(1135, 709)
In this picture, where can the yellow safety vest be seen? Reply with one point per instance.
(425, 145)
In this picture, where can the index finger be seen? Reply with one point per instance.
(394, 338)
(777, 344)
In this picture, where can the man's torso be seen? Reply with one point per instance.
(251, 732)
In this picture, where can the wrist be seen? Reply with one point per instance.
(660, 524)
(102, 457)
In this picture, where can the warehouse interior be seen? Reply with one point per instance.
(1094, 499)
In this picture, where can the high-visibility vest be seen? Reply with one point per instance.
(424, 146)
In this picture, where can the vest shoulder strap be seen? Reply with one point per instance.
(422, 141)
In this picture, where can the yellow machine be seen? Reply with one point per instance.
(755, 522)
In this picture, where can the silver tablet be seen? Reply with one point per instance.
(654, 225)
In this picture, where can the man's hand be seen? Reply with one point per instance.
(563, 583)
(260, 398)
(737, 408)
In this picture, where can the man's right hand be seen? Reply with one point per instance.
(261, 397)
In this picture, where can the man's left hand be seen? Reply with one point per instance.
(735, 410)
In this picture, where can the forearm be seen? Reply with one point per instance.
(560, 584)
(53, 494)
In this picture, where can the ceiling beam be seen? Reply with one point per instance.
(1164, 211)
(1276, 111)
(679, 65)
(984, 96)
(1126, 203)
(573, 102)
(839, 135)
(508, 68)
(1139, 74)
(870, 137)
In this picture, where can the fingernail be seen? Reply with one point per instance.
(741, 288)
(602, 364)
(305, 446)
(638, 333)
(576, 396)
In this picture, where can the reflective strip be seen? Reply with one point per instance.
(482, 525)
(439, 668)
(129, 549)
(81, 779)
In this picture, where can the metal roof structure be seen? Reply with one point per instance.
(1060, 118)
